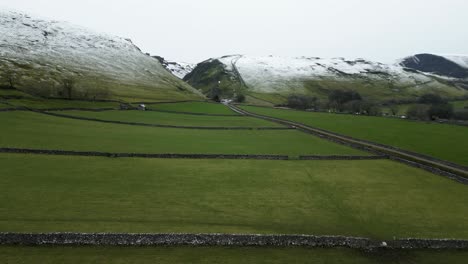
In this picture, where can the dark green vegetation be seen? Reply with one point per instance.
(441, 141)
(33, 130)
(194, 107)
(173, 255)
(151, 117)
(378, 199)
(211, 78)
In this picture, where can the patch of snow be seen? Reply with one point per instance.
(180, 69)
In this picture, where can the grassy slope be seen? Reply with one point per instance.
(377, 199)
(32, 130)
(38, 103)
(194, 107)
(150, 117)
(438, 140)
(224, 255)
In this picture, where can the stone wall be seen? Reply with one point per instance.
(339, 157)
(142, 155)
(112, 239)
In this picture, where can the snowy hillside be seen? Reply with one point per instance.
(266, 74)
(452, 67)
(461, 60)
(179, 69)
(312, 75)
(40, 54)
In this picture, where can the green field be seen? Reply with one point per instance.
(13, 92)
(193, 107)
(38, 103)
(32, 130)
(379, 199)
(441, 141)
(226, 255)
(163, 118)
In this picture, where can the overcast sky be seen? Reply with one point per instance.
(194, 30)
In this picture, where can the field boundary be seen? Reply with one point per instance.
(159, 125)
(443, 168)
(171, 239)
(142, 155)
(191, 113)
(183, 156)
(341, 157)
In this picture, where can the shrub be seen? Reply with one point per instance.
(240, 98)
(441, 111)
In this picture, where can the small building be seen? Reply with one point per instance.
(142, 107)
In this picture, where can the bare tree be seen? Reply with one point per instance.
(68, 87)
(10, 77)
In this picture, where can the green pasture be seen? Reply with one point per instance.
(441, 141)
(223, 255)
(193, 107)
(37, 103)
(39, 131)
(163, 118)
(379, 199)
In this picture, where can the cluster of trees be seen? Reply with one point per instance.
(349, 101)
(431, 107)
(346, 101)
(302, 102)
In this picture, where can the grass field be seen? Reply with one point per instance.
(194, 107)
(378, 199)
(226, 255)
(151, 117)
(38, 103)
(441, 141)
(13, 92)
(33, 130)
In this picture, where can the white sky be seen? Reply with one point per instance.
(194, 30)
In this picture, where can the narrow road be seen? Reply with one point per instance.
(438, 167)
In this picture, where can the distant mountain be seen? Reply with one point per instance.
(179, 69)
(272, 78)
(40, 56)
(453, 66)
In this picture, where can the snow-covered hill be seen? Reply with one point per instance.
(179, 69)
(41, 53)
(461, 60)
(311, 75)
(451, 66)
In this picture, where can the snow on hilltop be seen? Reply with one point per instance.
(271, 74)
(55, 48)
(179, 69)
(461, 60)
(453, 67)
